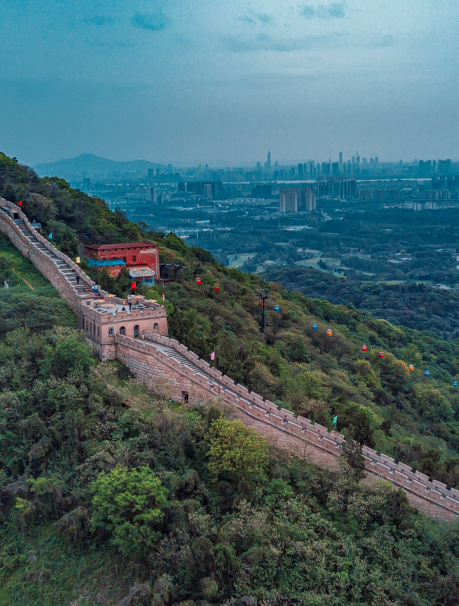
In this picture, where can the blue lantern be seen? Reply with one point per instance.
(276, 308)
(455, 384)
(314, 326)
(427, 373)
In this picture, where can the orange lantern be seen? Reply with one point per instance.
(411, 366)
(364, 348)
(329, 332)
(381, 354)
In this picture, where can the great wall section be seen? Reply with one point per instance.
(138, 339)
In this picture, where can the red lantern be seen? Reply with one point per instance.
(364, 348)
(19, 203)
(216, 286)
(381, 354)
(133, 285)
(198, 281)
(329, 332)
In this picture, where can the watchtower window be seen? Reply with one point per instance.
(136, 330)
(134, 259)
(122, 330)
(155, 326)
(185, 397)
(111, 332)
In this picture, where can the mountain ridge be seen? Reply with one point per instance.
(90, 164)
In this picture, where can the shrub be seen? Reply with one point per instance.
(129, 504)
(236, 450)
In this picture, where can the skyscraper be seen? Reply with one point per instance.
(340, 160)
(268, 162)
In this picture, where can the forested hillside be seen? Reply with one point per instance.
(418, 306)
(111, 496)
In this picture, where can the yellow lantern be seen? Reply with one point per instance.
(78, 260)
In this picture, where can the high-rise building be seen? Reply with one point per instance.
(341, 160)
(262, 190)
(150, 193)
(87, 184)
(151, 175)
(288, 199)
(199, 188)
(296, 199)
(207, 191)
(300, 171)
(307, 200)
(268, 162)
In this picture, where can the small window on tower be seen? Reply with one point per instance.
(110, 332)
(134, 259)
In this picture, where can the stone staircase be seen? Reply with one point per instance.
(177, 357)
(82, 289)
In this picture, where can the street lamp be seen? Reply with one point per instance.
(263, 294)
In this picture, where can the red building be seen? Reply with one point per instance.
(141, 259)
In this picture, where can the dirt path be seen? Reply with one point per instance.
(19, 276)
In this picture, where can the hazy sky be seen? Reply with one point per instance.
(209, 81)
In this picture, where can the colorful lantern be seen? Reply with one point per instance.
(216, 286)
(455, 384)
(329, 332)
(20, 203)
(314, 326)
(427, 373)
(381, 354)
(276, 308)
(411, 366)
(364, 348)
(198, 281)
(133, 285)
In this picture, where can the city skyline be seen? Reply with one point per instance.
(205, 82)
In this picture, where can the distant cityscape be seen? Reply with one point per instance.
(295, 189)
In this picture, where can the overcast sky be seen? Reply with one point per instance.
(222, 81)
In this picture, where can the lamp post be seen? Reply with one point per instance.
(263, 294)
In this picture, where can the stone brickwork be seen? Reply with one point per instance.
(167, 367)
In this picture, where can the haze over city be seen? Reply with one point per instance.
(221, 83)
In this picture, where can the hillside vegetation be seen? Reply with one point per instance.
(110, 495)
(418, 306)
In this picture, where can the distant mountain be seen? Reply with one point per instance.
(88, 165)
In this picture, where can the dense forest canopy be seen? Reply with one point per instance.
(110, 495)
(417, 306)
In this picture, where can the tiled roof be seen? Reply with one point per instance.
(141, 272)
(120, 246)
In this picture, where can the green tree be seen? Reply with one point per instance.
(236, 450)
(129, 504)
